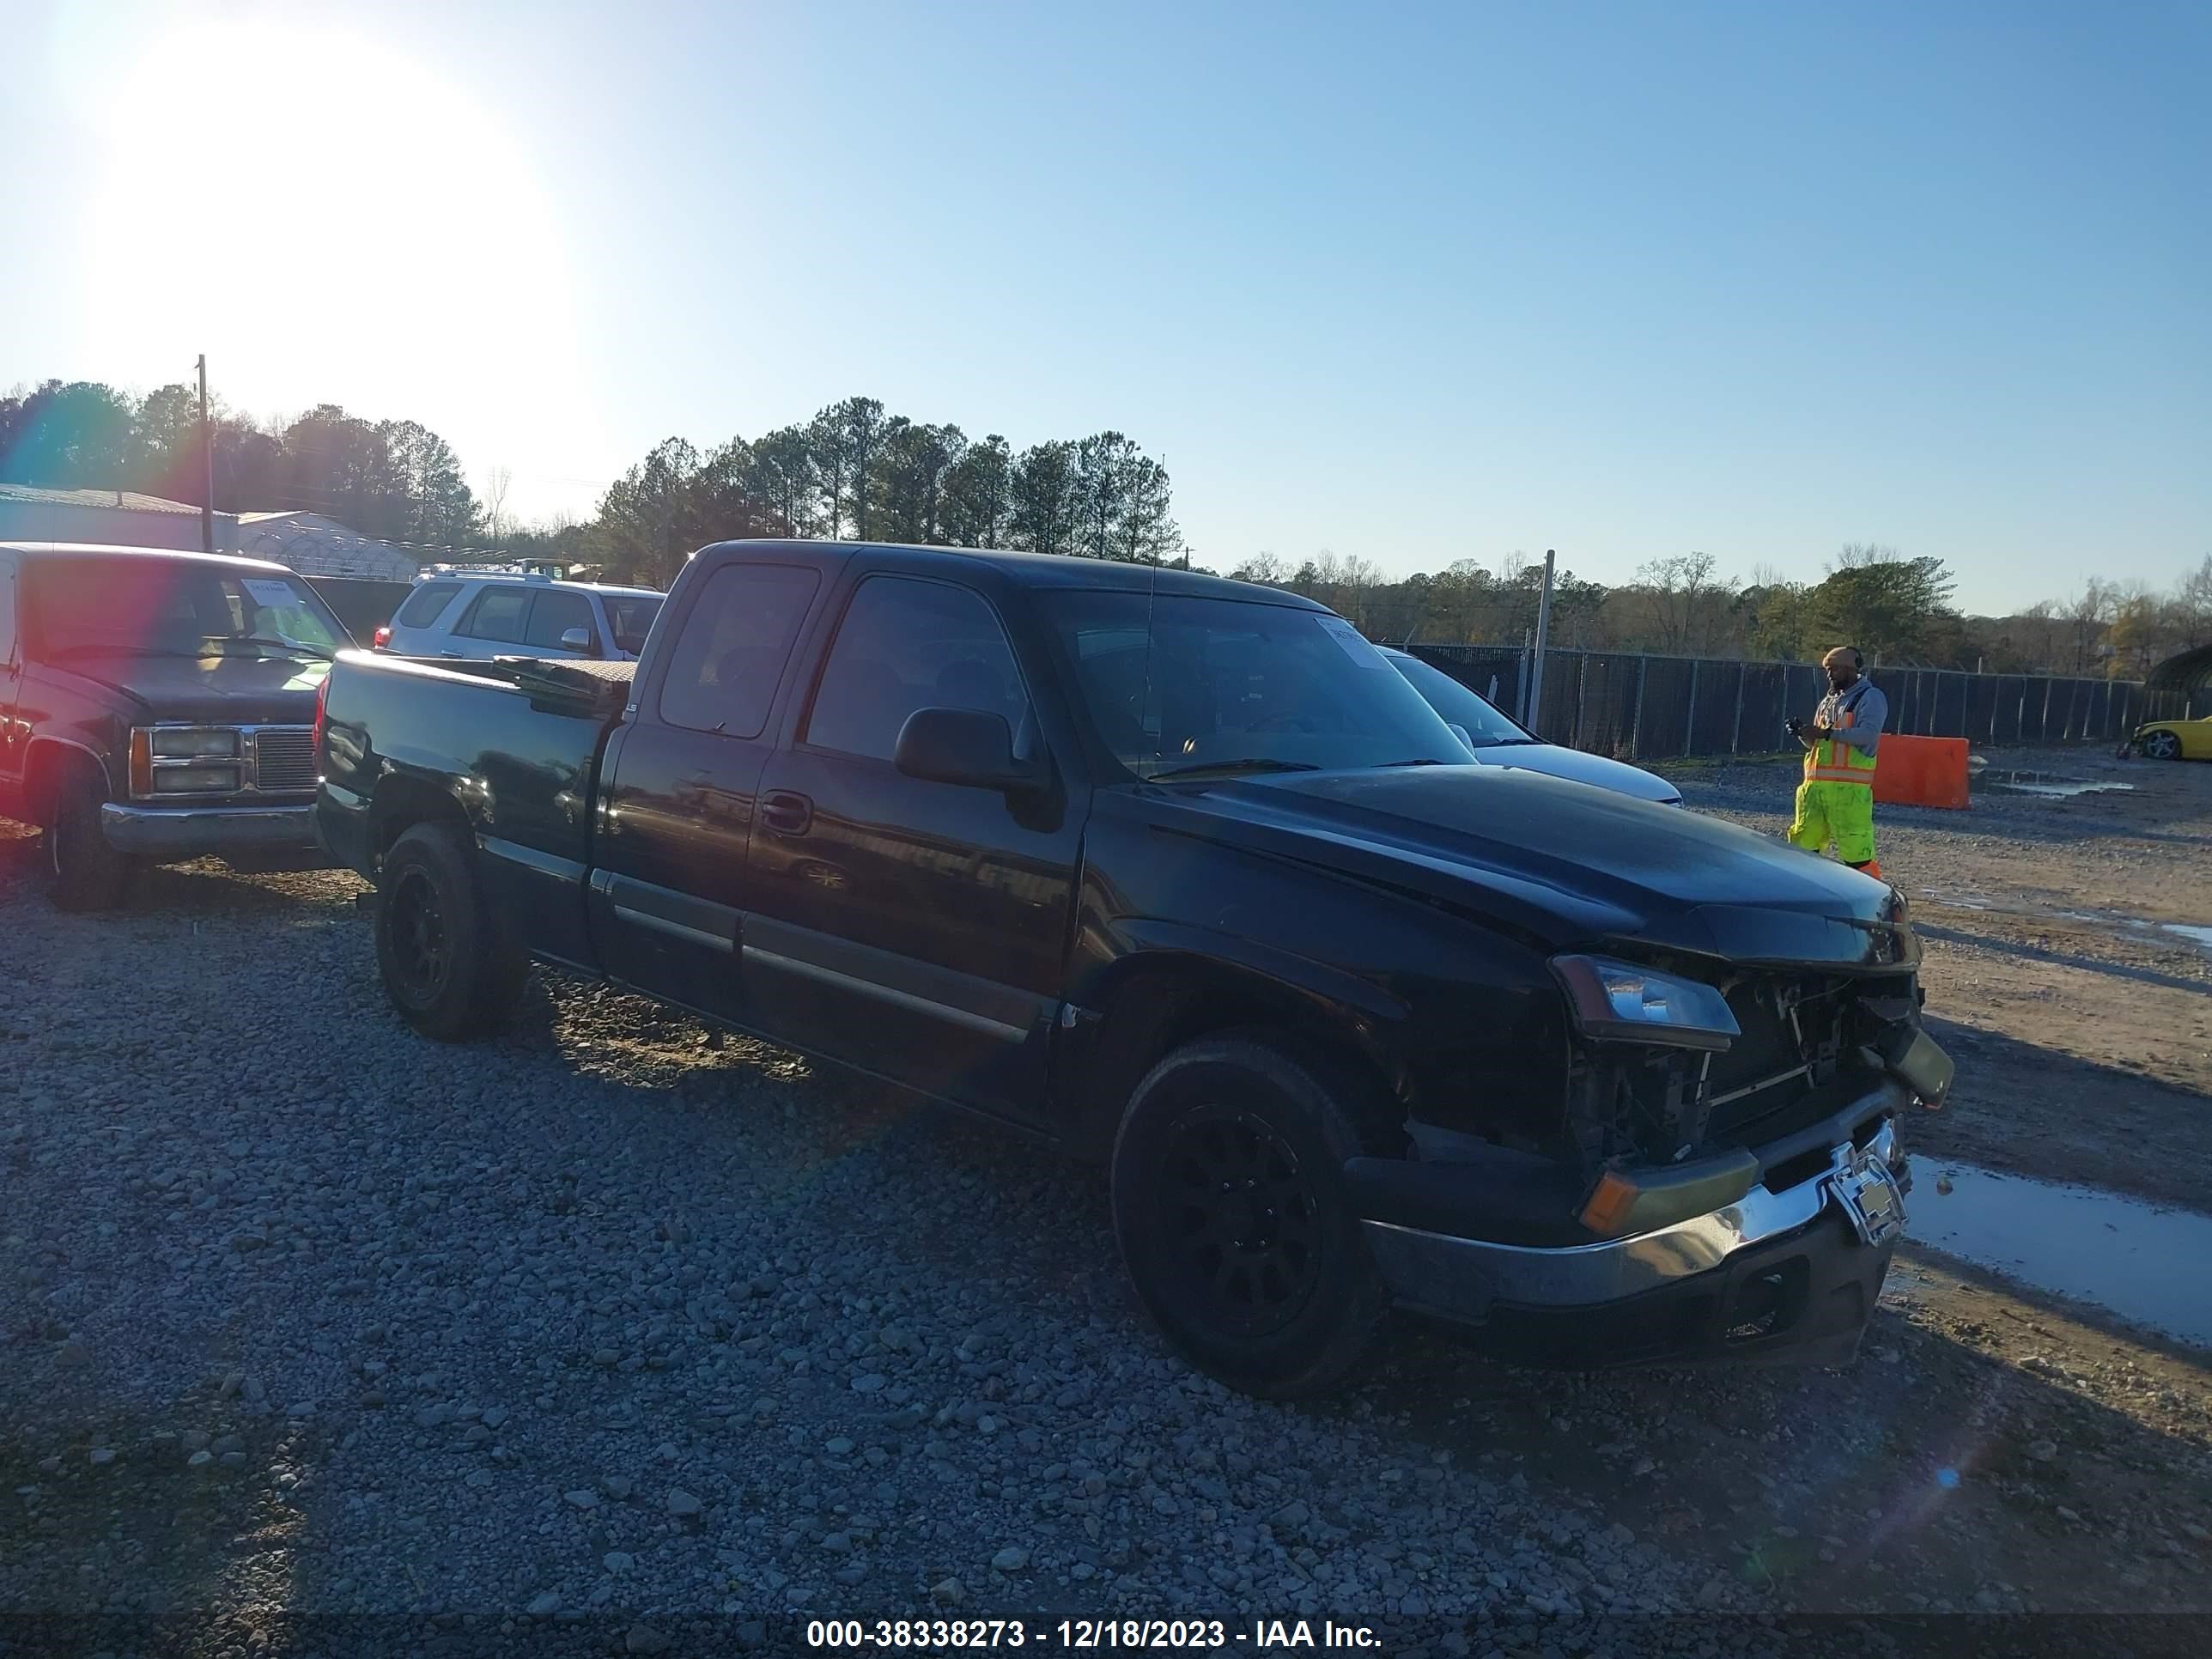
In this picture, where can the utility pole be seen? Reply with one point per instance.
(207, 467)
(667, 516)
(1543, 630)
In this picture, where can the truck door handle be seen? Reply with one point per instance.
(786, 812)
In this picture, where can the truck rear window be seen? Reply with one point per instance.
(728, 660)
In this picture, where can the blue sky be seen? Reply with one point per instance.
(1417, 284)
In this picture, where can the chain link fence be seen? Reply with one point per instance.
(1636, 707)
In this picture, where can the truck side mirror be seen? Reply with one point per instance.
(576, 638)
(966, 746)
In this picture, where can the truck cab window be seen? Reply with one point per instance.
(906, 644)
(723, 672)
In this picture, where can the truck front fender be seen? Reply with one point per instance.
(1173, 982)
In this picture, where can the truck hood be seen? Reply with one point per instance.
(216, 690)
(1565, 864)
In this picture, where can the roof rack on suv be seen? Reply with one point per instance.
(473, 572)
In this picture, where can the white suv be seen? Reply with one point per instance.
(505, 614)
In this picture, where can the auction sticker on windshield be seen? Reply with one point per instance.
(1353, 643)
(275, 595)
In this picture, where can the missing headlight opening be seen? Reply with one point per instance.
(1797, 1036)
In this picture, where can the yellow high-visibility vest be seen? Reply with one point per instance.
(1833, 761)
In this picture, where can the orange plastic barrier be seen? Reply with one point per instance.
(1920, 771)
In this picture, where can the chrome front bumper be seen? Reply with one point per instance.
(187, 832)
(1464, 1278)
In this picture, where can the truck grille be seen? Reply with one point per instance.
(285, 758)
(1792, 1042)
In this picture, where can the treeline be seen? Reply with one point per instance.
(392, 480)
(855, 470)
(852, 470)
(2129, 626)
(1897, 609)
(857, 473)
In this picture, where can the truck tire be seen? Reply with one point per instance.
(446, 964)
(1229, 1208)
(83, 872)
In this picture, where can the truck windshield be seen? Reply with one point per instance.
(174, 607)
(1175, 684)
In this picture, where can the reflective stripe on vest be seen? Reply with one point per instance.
(1832, 761)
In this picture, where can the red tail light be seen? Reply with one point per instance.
(383, 638)
(322, 702)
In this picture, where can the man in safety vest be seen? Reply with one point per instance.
(1836, 800)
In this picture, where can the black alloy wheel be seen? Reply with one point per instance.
(1231, 1209)
(448, 962)
(422, 948)
(1242, 1215)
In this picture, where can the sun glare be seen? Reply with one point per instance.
(315, 210)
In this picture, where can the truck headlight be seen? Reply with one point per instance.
(1616, 1001)
(196, 780)
(194, 742)
(185, 760)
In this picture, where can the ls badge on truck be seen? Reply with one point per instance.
(1870, 1196)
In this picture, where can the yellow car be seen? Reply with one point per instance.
(2174, 739)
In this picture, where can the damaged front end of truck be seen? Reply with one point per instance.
(1723, 1174)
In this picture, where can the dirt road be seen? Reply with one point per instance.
(2079, 1018)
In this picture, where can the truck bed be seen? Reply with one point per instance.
(556, 677)
(513, 743)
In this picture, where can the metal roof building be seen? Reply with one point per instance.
(120, 517)
(311, 543)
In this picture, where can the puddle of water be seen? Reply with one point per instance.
(1951, 902)
(2018, 775)
(2144, 1262)
(2052, 785)
(2133, 929)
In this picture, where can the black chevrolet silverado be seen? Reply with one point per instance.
(1180, 873)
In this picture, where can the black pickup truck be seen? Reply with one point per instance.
(1180, 873)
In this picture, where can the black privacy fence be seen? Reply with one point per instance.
(1644, 707)
(361, 604)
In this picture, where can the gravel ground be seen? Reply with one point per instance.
(612, 1314)
(616, 1331)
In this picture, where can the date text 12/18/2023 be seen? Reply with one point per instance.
(1086, 1635)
